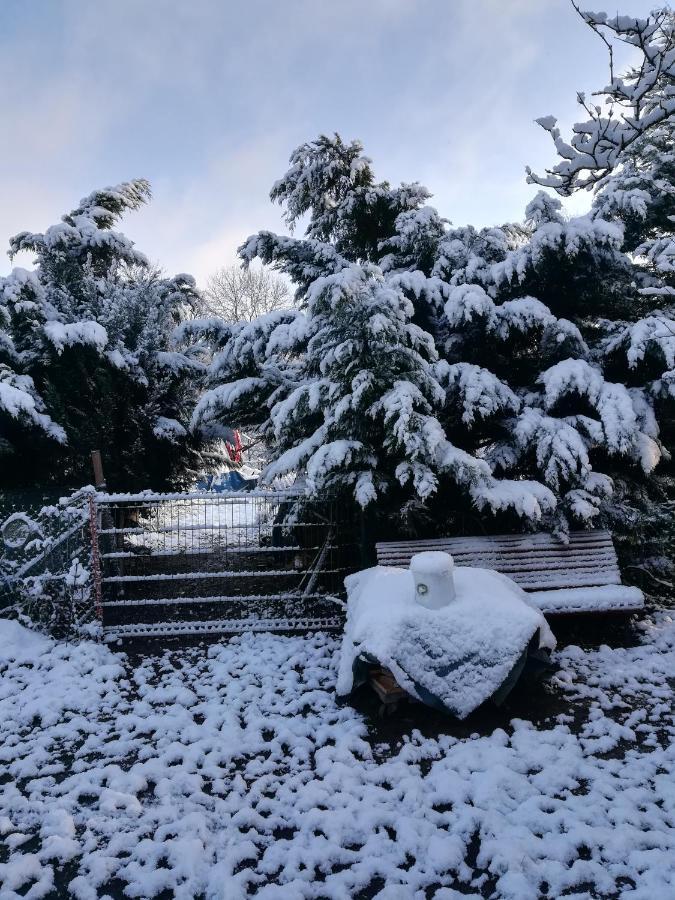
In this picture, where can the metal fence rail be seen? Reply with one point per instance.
(216, 563)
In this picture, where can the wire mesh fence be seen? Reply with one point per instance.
(192, 563)
(44, 565)
(43, 545)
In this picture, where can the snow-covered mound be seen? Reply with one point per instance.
(457, 656)
(18, 644)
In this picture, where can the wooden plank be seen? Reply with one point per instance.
(590, 580)
(536, 536)
(386, 687)
(522, 561)
(558, 571)
(535, 562)
(600, 599)
(591, 539)
(575, 576)
(524, 552)
(487, 546)
(582, 576)
(516, 559)
(588, 576)
(539, 538)
(486, 543)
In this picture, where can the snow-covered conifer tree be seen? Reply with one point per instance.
(539, 320)
(87, 354)
(512, 371)
(527, 334)
(346, 388)
(640, 348)
(625, 148)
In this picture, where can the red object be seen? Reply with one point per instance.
(234, 450)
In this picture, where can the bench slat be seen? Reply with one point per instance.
(580, 576)
(536, 537)
(598, 559)
(587, 600)
(584, 579)
(475, 543)
(588, 575)
(519, 552)
(602, 557)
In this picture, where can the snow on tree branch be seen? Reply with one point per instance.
(633, 103)
(19, 399)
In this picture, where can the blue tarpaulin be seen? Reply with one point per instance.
(226, 481)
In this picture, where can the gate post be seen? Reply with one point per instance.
(95, 558)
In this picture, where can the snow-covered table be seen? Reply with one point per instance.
(454, 657)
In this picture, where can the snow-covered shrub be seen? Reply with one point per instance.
(44, 565)
(87, 358)
(61, 605)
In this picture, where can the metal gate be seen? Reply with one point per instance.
(205, 563)
(41, 546)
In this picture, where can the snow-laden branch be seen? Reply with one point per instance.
(633, 103)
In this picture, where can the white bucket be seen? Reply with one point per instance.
(434, 582)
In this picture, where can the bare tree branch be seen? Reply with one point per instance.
(602, 37)
(234, 294)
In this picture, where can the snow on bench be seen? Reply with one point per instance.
(581, 576)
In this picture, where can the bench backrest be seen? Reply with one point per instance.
(537, 562)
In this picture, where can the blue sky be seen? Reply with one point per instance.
(207, 98)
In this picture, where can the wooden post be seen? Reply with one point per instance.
(99, 478)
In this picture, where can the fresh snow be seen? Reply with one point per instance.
(19, 645)
(201, 520)
(234, 772)
(168, 429)
(18, 398)
(67, 335)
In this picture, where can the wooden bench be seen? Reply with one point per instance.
(579, 577)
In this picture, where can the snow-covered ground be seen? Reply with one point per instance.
(232, 772)
(181, 523)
